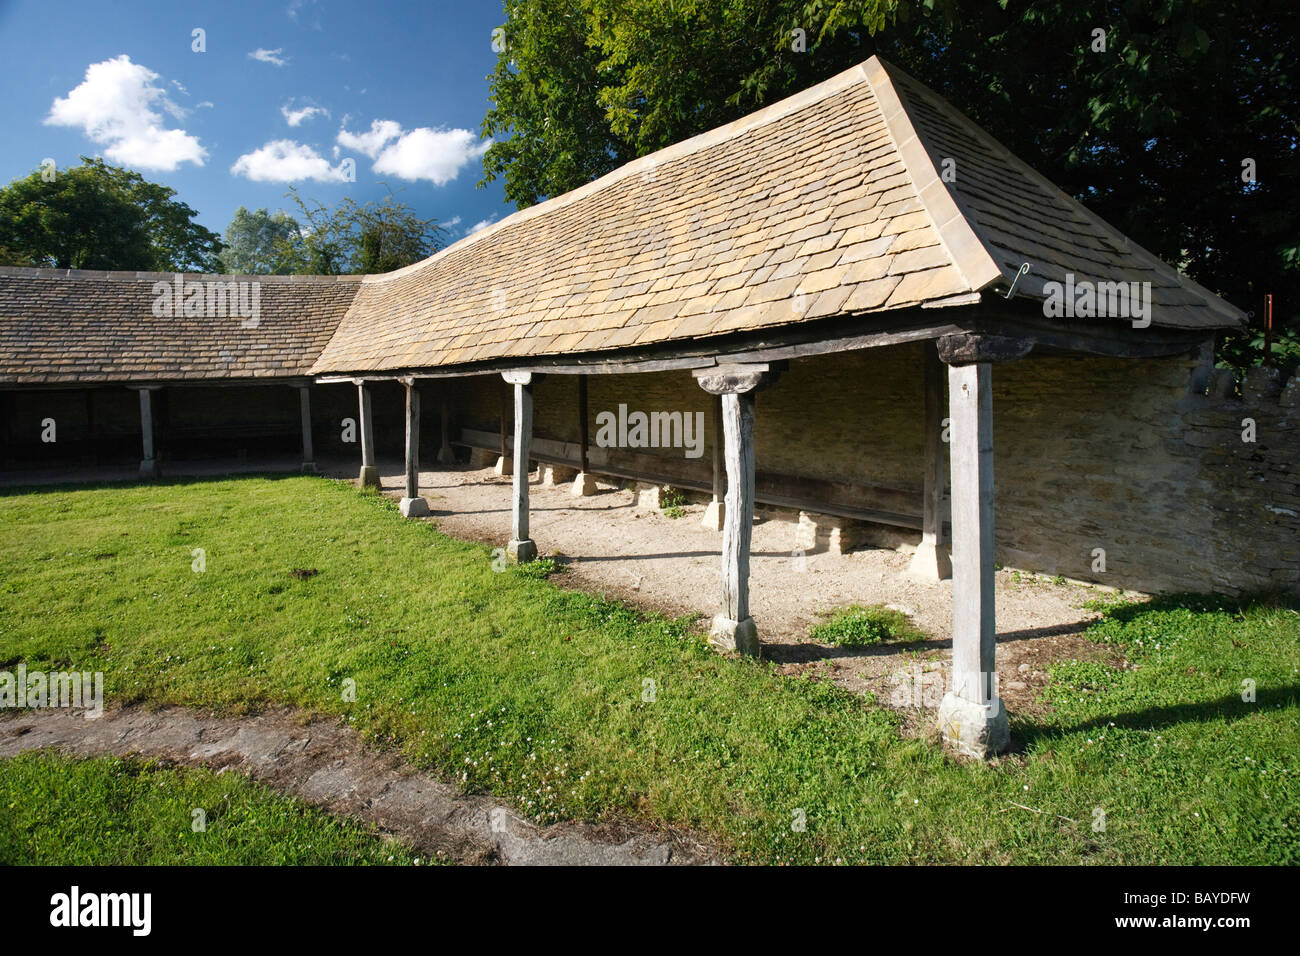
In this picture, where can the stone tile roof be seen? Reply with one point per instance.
(63, 326)
(827, 203)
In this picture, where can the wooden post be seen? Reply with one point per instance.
(369, 476)
(713, 517)
(931, 563)
(149, 463)
(733, 628)
(304, 406)
(584, 484)
(504, 463)
(412, 505)
(521, 547)
(445, 455)
(971, 716)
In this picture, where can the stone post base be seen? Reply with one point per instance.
(149, 468)
(505, 465)
(713, 515)
(738, 636)
(647, 496)
(584, 486)
(521, 552)
(827, 533)
(976, 730)
(481, 458)
(309, 468)
(446, 456)
(930, 564)
(413, 508)
(368, 476)
(553, 475)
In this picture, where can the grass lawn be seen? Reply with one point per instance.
(57, 811)
(510, 684)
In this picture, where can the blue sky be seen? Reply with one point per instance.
(285, 93)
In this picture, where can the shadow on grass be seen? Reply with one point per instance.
(1229, 709)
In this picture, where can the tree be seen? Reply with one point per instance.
(97, 216)
(358, 238)
(1150, 124)
(260, 243)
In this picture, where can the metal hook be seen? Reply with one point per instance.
(1023, 270)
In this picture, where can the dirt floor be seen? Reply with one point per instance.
(672, 565)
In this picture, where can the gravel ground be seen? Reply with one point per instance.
(672, 565)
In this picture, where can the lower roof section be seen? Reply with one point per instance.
(69, 326)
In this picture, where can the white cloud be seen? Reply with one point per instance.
(481, 224)
(295, 117)
(116, 107)
(284, 161)
(373, 142)
(451, 223)
(270, 56)
(437, 155)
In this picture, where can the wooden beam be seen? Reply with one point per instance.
(930, 563)
(582, 424)
(304, 409)
(445, 455)
(733, 628)
(369, 475)
(521, 547)
(412, 505)
(149, 463)
(974, 618)
(971, 716)
(412, 441)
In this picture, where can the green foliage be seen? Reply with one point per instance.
(1150, 133)
(672, 502)
(540, 569)
(858, 626)
(97, 216)
(358, 239)
(260, 243)
(110, 811)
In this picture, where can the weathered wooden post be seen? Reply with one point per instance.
(584, 484)
(412, 505)
(521, 547)
(713, 512)
(504, 463)
(931, 563)
(445, 455)
(149, 463)
(733, 628)
(972, 718)
(369, 476)
(304, 408)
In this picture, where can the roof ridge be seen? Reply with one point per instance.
(125, 275)
(948, 212)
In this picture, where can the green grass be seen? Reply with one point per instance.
(59, 811)
(507, 683)
(859, 626)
